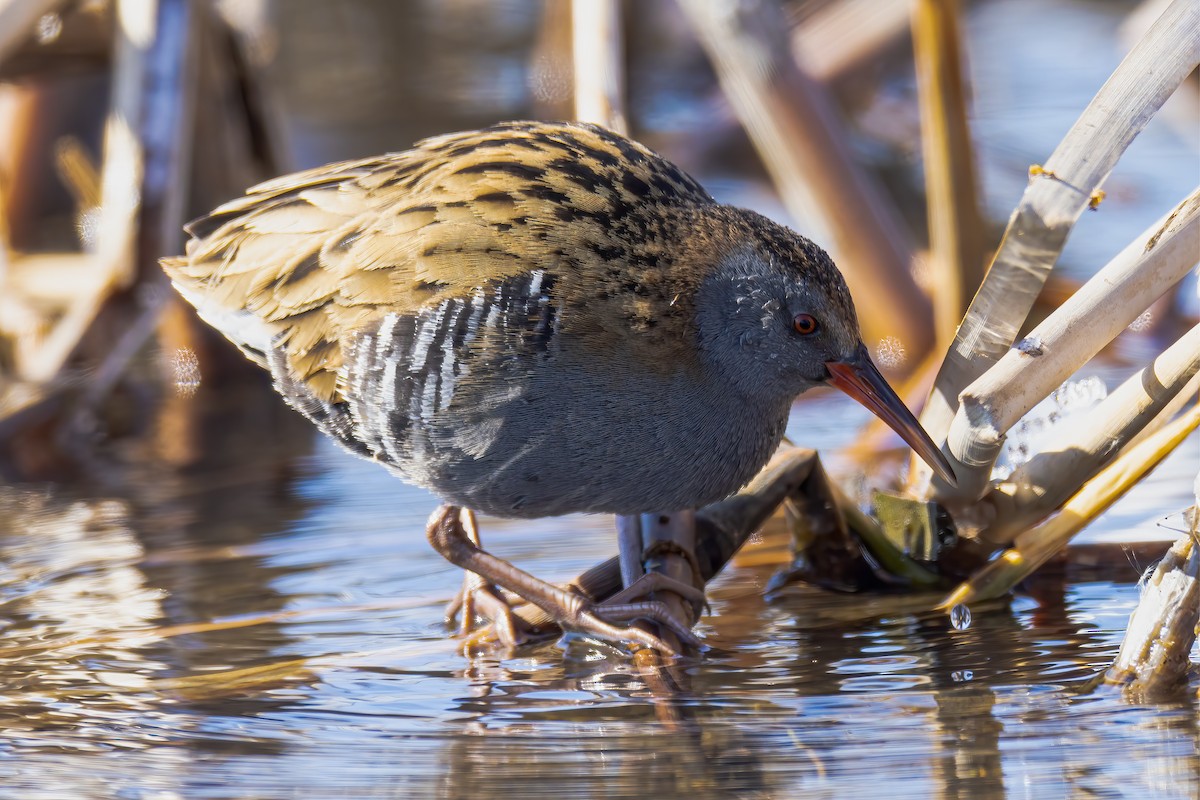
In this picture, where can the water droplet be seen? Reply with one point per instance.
(87, 226)
(1080, 395)
(960, 617)
(1067, 406)
(1031, 346)
(186, 367)
(550, 80)
(1143, 322)
(890, 352)
(49, 26)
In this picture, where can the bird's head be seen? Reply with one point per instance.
(775, 317)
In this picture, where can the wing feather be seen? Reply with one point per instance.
(317, 256)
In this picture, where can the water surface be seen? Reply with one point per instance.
(359, 692)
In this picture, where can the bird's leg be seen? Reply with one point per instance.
(570, 610)
(629, 548)
(646, 539)
(657, 555)
(477, 596)
(721, 528)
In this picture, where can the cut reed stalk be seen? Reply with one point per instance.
(1153, 659)
(1102, 308)
(1057, 194)
(1038, 486)
(1034, 547)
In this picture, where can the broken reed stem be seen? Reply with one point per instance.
(1057, 194)
(1190, 393)
(599, 63)
(802, 142)
(1037, 487)
(1090, 319)
(1034, 547)
(955, 224)
(147, 147)
(1153, 659)
(837, 38)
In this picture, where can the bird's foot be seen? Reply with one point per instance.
(658, 563)
(652, 582)
(478, 601)
(449, 532)
(619, 609)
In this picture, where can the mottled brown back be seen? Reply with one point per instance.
(319, 255)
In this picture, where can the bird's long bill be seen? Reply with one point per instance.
(860, 379)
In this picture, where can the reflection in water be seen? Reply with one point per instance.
(811, 695)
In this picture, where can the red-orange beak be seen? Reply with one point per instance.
(859, 378)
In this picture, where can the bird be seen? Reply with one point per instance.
(530, 320)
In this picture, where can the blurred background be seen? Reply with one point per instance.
(153, 480)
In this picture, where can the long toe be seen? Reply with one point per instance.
(479, 602)
(590, 623)
(654, 611)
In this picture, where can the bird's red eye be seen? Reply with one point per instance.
(804, 324)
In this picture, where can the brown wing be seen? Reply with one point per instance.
(304, 261)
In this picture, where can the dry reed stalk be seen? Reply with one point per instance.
(838, 37)
(955, 224)
(1073, 455)
(802, 143)
(1103, 307)
(1153, 659)
(146, 157)
(1189, 393)
(599, 63)
(14, 120)
(1034, 547)
(1057, 194)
